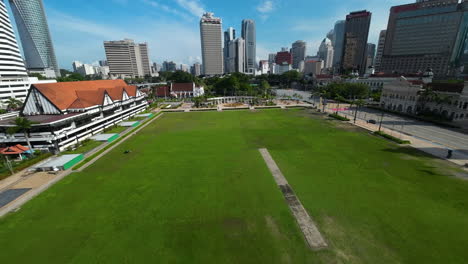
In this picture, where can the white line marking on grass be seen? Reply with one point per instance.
(311, 233)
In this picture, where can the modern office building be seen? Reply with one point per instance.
(355, 41)
(298, 52)
(250, 36)
(313, 67)
(272, 58)
(169, 66)
(35, 37)
(370, 55)
(422, 35)
(211, 44)
(236, 60)
(127, 58)
(380, 48)
(196, 69)
(325, 53)
(229, 35)
(283, 57)
(338, 42)
(14, 80)
(103, 63)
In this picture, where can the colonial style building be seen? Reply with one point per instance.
(68, 112)
(448, 100)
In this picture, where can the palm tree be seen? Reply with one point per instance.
(22, 125)
(359, 103)
(13, 103)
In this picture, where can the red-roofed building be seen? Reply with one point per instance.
(67, 112)
(15, 151)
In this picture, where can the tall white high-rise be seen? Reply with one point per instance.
(14, 81)
(127, 58)
(35, 37)
(250, 36)
(326, 53)
(211, 44)
(236, 61)
(298, 52)
(11, 62)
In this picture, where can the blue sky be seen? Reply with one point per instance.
(171, 27)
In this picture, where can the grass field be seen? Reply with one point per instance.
(196, 190)
(85, 147)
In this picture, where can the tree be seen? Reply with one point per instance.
(13, 104)
(73, 77)
(37, 75)
(359, 103)
(22, 125)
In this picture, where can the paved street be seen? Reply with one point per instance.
(426, 131)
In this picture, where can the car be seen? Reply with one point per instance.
(372, 121)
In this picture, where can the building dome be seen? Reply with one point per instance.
(327, 41)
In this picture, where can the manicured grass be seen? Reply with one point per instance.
(196, 190)
(85, 147)
(114, 130)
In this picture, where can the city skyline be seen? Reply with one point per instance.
(83, 32)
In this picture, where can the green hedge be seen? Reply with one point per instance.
(88, 159)
(392, 138)
(336, 116)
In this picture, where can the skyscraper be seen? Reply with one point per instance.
(355, 41)
(11, 62)
(338, 43)
(380, 48)
(236, 60)
(211, 44)
(298, 53)
(229, 35)
(35, 37)
(14, 81)
(422, 35)
(250, 36)
(127, 58)
(326, 52)
(370, 55)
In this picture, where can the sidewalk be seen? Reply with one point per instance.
(427, 146)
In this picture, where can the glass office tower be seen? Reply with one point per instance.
(35, 36)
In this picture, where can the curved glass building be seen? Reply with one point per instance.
(35, 36)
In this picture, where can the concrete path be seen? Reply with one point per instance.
(311, 233)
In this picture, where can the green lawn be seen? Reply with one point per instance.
(85, 147)
(196, 190)
(115, 130)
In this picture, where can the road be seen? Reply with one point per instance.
(446, 137)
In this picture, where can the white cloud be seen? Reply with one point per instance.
(79, 39)
(194, 7)
(167, 9)
(59, 20)
(266, 7)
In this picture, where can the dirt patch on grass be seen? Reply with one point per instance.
(352, 246)
(275, 231)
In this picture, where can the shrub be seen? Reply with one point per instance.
(336, 116)
(392, 138)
